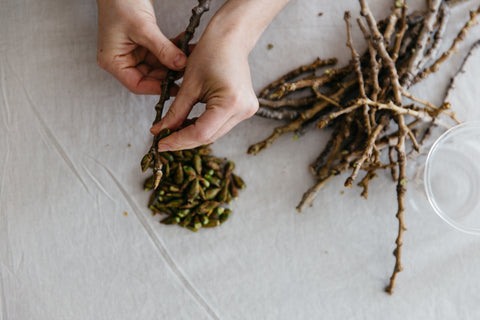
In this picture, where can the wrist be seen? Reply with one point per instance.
(240, 23)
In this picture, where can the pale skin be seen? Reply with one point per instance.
(134, 50)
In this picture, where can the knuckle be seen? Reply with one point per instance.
(251, 108)
(204, 137)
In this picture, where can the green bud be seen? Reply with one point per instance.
(173, 189)
(213, 180)
(229, 167)
(239, 183)
(205, 183)
(178, 155)
(193, 190)
(212, 165)
(146, 161)
(223, 194)
(212, 193)
(174, 203)
(197, 163)
(148, 184)
(189, 171)
(233, 189)
(224, 216)
(171, 220)
(205, 220)
(212, 223)
(197, 224)
(167, 156)
(179, 176)
(203, 151)
(164, 133)
(183, 213)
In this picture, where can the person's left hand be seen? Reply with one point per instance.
(217, 74)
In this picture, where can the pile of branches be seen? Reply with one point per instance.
(375, 120)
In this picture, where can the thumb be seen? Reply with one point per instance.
(161, 47)
(186, 98)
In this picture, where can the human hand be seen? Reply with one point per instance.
(131, 46)
(217, 74)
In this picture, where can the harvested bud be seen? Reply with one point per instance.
(183, 213)
(174, 195)
(163, 160)
(239, 183)
(148, 184)
(202, 194)
(205, 183)
(190, 205)
(187, 155)
(229, 167)
(166, 169)
(212, 223)
(146, 161)
(219, 174)
(189, 171)
(233, 189)
(185, 221)
(178, 155)
(197, 164)
(193, 190)
(213, 165)
(224, 216)
(197, 224)
(212, 193)
(174, 203)
(167, 156)
(164, 133)
(157, 177)
(205, 220)
(229, 197)
(171, 220)
(179, 177)
(203, 151)
(174, 189)
(223, 194)
(213, 180)
(207, 207)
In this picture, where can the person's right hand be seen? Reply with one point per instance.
(131, 46)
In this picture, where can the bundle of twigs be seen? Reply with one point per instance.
(364, 102)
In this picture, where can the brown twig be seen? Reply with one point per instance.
(197, 12)
(453, 48)
(318, 63)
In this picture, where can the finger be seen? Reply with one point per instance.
(179, 110)
(176, 41)
(166, 52)
(144, 69)
(199, 133)
(137, 83)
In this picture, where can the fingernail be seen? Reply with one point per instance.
(163, 147)
(180, 60)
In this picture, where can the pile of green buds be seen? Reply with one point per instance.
(194, 188)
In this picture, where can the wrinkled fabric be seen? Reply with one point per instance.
(71, 140)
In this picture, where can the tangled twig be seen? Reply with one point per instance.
(363, 99)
